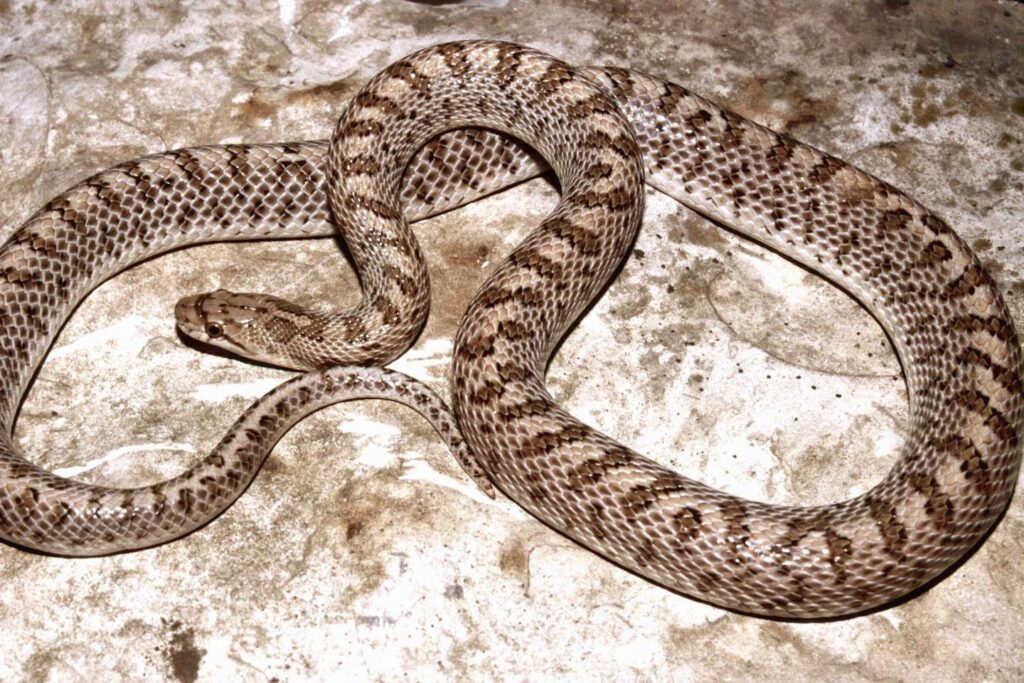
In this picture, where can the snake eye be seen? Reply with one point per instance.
(213, 330)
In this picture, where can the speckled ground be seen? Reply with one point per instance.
(361, 549)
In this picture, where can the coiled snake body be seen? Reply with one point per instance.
(941, 309)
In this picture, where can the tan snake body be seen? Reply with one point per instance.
(942, 310)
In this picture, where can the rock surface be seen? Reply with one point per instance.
(361, 551)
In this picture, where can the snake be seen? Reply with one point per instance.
(451, 123)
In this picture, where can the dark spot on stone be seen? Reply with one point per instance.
(182, 654)
(514, 560)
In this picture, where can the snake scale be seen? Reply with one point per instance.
(603, 131)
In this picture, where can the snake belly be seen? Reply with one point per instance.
(942, 310)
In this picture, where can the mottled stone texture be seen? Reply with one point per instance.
(362, 548)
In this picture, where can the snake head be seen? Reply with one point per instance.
(258, 327)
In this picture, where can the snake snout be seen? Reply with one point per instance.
(187, 312)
